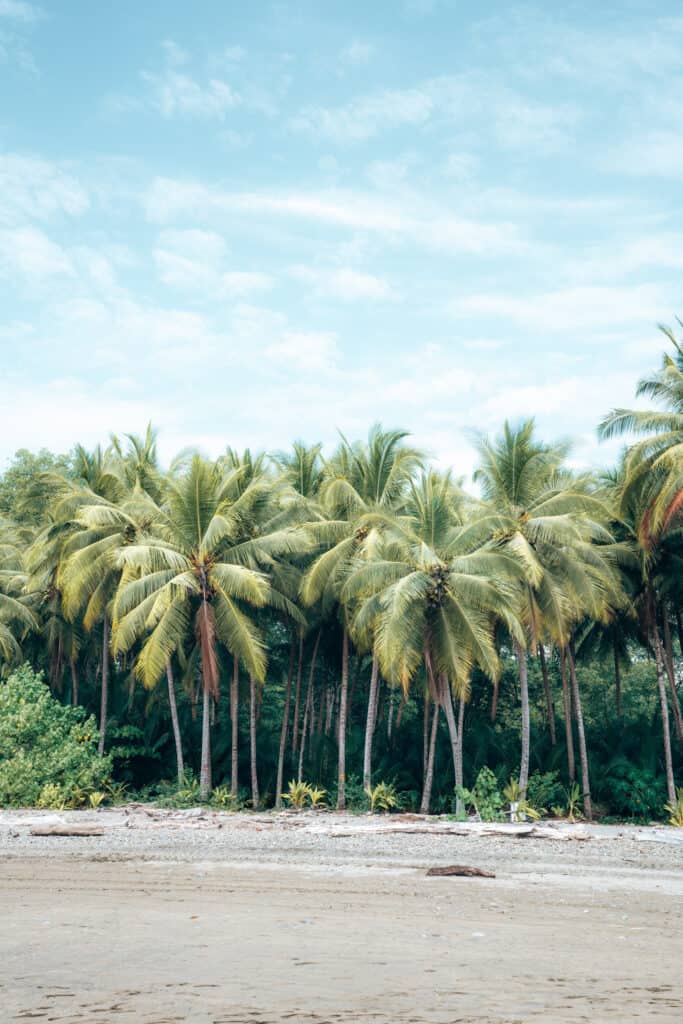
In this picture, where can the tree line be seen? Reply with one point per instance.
(301, 601)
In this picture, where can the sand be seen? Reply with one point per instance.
(331, 918)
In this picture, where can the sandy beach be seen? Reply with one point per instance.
(223, 919)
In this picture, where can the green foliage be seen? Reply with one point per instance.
(484, 798)
(632, 792)
(48, 752)
(382, 797)
(25, 492)
(571, 808)
(297, 794)
(520, 808)
(223, 800)
(675, 810)
(544, 789)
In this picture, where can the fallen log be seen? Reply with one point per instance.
(67, 830)
(459, 870)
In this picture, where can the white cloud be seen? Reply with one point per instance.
(357, 53)
(581, 308)
(406, 217)
(176, 95)
(195, 260)
(343, 283)
(37, 189)
(466, 99)
(32, 253)
(19, 10)
(305, 350)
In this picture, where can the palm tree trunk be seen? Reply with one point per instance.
(548, 695)
(669, 662)
(494, 700)
(252, 743)
(297, 698)
(205, 770)
(370, 723)
(583, 752)
(401, 709)
(308, 706)
(568, 729)
(617, 676)
(104, 693)
(341, 784)
(426, 801)
(284, 729)
(526, 719)
(390, 714)
(329, 709)
(174, 722)
(74, 682)
(446, 697)
(668, 763)
(234, 723)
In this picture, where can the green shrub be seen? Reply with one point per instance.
(544, 789)
(48, 752)
(382, 797)
(632, 792)
(484, 797)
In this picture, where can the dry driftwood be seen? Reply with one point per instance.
(461, 870)
(67, 830)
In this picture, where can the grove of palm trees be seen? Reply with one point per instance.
(353, 619)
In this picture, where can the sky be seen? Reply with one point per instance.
(256, 222)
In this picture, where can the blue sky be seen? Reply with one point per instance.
(256, 222)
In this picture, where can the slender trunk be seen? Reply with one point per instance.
(429, 767)
(548, 695)
(308, 706)
(329, 709)
(370, 723)
(569, 732)
(297, 698)
(341, 785)
(617, 675)
(461, 738)
(74, 682)
(104, 694)
(446, 697)
(285, 727)
(526, 720)
(205, 771)
(234, 724)
(583, 752)
(401, 709)
(494, 700)
(174, 722)
(669, 662)
(390, 715)
(425, 734)
(356, 678)
(666, 735)
(252, 742)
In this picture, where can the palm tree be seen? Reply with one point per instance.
(542, 513)
(192, 580)
(431, 594)
(363, 484)
(17, 617)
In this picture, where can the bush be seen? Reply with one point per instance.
(48, 752)
(484, 797)
(632, 792)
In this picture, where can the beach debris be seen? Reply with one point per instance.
(67, 830)
(460, 871)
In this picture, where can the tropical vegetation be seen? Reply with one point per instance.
(351, 629)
